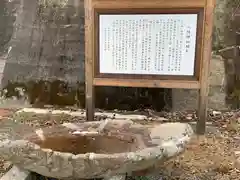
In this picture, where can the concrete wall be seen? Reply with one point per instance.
(47, 43)
(44, 51)
(226, 23)
(188, 99)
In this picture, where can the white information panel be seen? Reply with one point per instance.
(154, 44)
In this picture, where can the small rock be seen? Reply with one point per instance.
(236, 138)
(237, 153)
(215, 113)
(163, 119)
(6, 165)
(237, 163)
(223, 168)
(238, 120)
(189, 117)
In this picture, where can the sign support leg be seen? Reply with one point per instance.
(204, 75)
(89, 64)
(90, 103)
(202, 111)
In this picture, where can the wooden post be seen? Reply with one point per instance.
(238, 47)
(89, 51)
(238, 38)
(204, 71)
(236, 71)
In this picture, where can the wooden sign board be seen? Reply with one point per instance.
(154, 43)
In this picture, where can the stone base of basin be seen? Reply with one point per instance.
(99, 149)
(116, 177)
(16, 173)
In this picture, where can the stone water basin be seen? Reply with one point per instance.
(99, 149)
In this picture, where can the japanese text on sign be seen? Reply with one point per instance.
(154, 44)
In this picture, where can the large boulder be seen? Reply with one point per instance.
(91, 149)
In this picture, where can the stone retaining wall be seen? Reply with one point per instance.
(47, 43)
(188, 99)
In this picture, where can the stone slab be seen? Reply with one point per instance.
(16, 173)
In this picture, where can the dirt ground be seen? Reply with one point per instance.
(215, 156)
(205, 158)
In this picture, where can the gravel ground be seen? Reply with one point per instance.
(215, 156)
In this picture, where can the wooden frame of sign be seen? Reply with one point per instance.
(106, 67)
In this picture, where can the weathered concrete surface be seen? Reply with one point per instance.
(185, 99)
(48, 152)
(47, 43)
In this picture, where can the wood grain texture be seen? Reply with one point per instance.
(106, 4)
(204, 74)
(89, 59)
(146, 83)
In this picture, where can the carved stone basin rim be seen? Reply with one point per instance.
(95, 138)
(131, 149)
